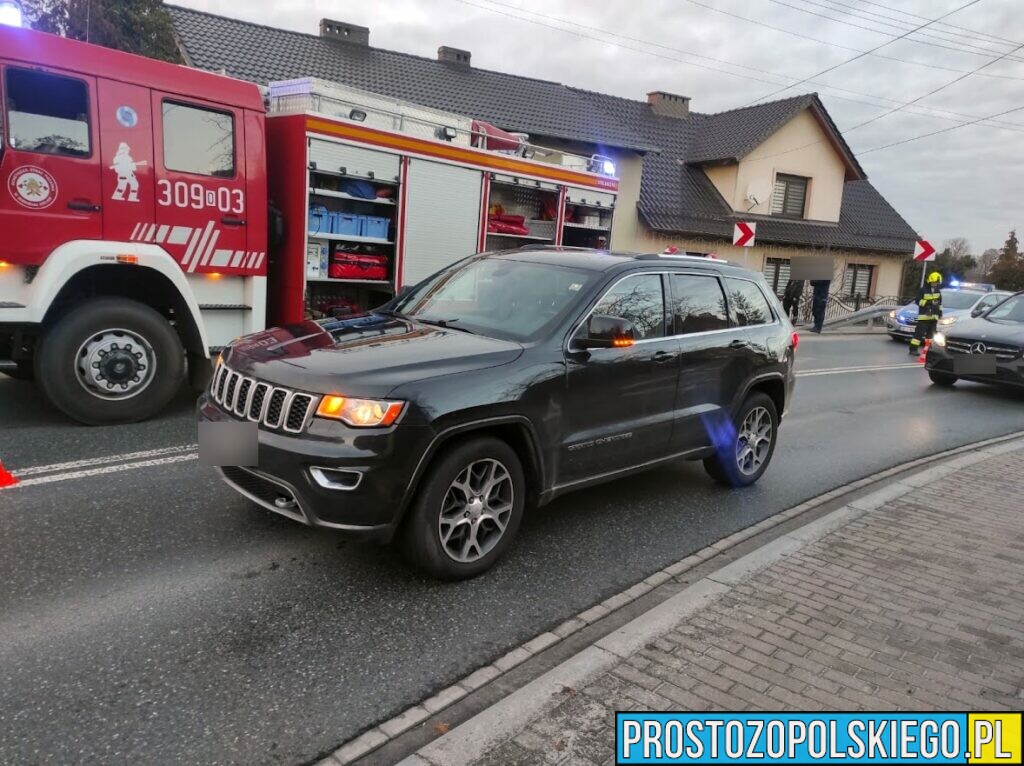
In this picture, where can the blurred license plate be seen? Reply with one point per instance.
(228, 443)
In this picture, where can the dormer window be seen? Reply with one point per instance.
(790, 196)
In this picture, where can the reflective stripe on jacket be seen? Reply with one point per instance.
(929, 304)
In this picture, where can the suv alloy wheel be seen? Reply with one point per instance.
(741, 462)
(467, 510)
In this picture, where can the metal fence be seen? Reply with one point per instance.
(841, 305)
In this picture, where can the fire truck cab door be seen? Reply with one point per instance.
(126, 149)
(49, 163)
(200, 183)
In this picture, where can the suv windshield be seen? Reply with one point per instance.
(957, 299)
(500, 297)
(1011, 310)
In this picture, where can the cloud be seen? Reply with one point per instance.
(963, 183)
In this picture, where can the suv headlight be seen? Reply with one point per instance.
(946, 321)
(892, 314)
(359, 413)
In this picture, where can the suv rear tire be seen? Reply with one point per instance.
(467, 511)
(110, 360)
(754, 435)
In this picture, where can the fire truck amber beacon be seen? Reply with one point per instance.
(140, 238)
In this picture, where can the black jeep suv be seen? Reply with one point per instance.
(504, 381)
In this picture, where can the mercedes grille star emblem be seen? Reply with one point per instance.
(979, 348)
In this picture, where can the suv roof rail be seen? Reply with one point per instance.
(561, 248)
(680, 256)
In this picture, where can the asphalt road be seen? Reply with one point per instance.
(150, 615)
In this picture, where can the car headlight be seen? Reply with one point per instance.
(892, 314)
(946, 321)
(939, 339)
(359, 413)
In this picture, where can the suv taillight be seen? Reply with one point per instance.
(796, 339)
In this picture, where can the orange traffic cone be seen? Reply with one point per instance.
(6, 478)
(924, 351)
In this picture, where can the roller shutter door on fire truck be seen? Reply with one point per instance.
(353, 161)
(442, 217)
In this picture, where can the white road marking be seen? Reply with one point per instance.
(116, 468)
(120, 458)
(874, 368)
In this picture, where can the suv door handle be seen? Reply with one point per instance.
(230, 220)
(85, 205)
(663, 357)
(739, 344)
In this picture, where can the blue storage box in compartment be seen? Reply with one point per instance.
(319, 220)
(346, 223)
(374, 226)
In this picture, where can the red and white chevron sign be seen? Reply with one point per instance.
(743, 234)
(924, 251)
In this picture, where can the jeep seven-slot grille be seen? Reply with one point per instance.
(999, 350)
(268, 405)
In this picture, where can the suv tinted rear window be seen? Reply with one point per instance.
(747, 303)
(697, 304)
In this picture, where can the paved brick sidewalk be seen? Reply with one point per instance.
(915, 605)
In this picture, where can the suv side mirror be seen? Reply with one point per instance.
(602, 331)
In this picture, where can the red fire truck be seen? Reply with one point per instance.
(134, 219)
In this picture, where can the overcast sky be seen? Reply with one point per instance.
(967, 182)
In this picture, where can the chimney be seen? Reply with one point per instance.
(669, 104)
(345, 32)
(453, 55)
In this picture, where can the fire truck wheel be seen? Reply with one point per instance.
(110, 360)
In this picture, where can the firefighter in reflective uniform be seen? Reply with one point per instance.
(929, 311)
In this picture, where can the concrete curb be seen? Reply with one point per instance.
(474, 737)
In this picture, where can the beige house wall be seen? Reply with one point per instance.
(888, 272)
(801, 148)
(629, 233)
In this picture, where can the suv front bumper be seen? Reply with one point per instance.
(384, 461)
(1008, 372)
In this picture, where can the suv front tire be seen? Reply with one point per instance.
(467, 510)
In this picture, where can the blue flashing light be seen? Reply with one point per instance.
(10, 13)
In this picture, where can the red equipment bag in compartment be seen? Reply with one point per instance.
(357, 266)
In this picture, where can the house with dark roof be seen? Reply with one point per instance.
(686, 178)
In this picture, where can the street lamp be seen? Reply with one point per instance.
(10, 13)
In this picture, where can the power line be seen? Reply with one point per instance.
(865, 53)
(953, 26)
(943, 130)
(858, 12)
(938, 112)
(965, 48)
(978, 50)
(802, 36)
(934, 91)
